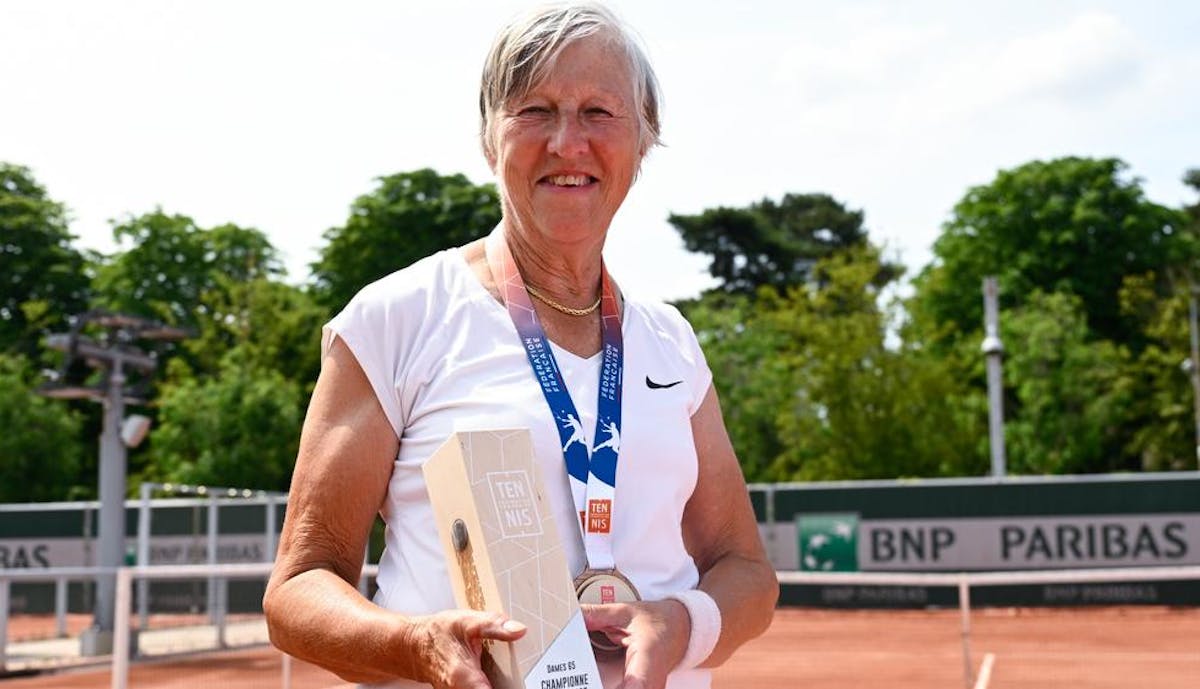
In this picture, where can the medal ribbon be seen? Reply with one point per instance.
(592, 471)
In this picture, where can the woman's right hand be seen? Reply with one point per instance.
(448, 646)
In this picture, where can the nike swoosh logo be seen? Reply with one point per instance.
(659, 386)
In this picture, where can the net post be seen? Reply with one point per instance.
(3, 622)
(216, 583)
(143, 555)
(121, 629)
(222, 607)
(964, 606)
(271, 529)
(212, 558)
(60, 607)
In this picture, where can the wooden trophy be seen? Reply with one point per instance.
(503, 554)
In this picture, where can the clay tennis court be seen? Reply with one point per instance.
(1042, 648)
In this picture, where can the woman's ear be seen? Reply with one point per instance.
(487, 141)
(489, 154)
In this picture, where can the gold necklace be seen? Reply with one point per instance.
(559, 307)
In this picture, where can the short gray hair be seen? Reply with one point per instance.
(524, 50)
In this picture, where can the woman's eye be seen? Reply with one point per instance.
(599, 112)
(534, 110)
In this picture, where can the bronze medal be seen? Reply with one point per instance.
(603, 586)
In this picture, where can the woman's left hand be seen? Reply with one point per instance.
(654, 634)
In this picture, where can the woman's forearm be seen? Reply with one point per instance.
(319, 618)
(746, 591)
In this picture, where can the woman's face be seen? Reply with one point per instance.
(567, 152)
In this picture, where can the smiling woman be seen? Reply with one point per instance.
(526, 329)
(567, 151)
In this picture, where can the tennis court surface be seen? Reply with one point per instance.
(1042, 648)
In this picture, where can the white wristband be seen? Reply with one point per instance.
(706, 626)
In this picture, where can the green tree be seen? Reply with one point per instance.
(43, 276)
(1093, 281)
(407, 217)
(240, 428)
(812, 390)
(40, 449)
(1160, 424)
(1073, 225)
(239, 255)
(773, 244)
(1069, 401)
(172, 265)
(246, 328)
(864, 409)
(750, 375)
(1163, 432)
(1192, 179)
(274, 326)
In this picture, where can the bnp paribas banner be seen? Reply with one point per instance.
(42, 553)
(843, 542)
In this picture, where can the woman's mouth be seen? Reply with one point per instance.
(571, 180)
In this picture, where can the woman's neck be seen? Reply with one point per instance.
(568, 272)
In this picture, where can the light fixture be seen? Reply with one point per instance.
(134, 429)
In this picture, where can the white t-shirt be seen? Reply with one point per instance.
(442, 355)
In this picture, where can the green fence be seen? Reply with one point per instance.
(1020, 523)
(45, 535)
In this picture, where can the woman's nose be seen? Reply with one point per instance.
(568, 139)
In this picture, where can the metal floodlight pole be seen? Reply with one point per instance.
(993, 349)
(112, 497)
(118, 356)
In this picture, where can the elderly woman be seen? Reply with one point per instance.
(569, 106)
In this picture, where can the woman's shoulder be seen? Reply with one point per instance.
(434, 284)
(409, 297)
(436, 275)
(660, 317)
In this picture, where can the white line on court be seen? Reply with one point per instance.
(985, 671)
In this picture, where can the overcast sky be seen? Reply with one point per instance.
(277, 115)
